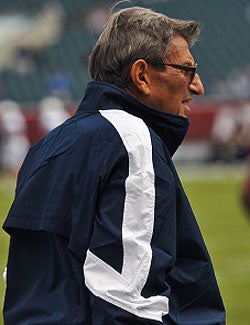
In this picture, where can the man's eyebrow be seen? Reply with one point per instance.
(189, 62)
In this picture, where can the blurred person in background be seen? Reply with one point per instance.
(230, 133)
(101, 229)
(226, 134)
(52, 113)
(13, 133)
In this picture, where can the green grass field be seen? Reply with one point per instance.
(7, 185)
(214, 195)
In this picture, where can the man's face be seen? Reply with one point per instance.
(170, 89)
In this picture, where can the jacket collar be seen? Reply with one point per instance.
(170, 127)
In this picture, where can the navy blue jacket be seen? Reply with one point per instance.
(101, 230)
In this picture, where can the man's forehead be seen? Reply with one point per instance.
(179, 48)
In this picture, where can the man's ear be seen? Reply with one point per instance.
(139, 74)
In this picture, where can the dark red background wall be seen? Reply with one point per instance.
(202, 116)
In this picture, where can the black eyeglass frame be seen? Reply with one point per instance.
(191, 68)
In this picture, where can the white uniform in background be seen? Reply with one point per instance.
(14, 142)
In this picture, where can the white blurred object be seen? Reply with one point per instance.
(225, 124)
(14, 151)
(14, 142)
(5, 274)
(51, 113)
(12, 119)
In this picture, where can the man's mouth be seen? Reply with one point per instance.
(186, 100)
(186, 108)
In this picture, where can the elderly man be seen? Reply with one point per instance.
(101, 230)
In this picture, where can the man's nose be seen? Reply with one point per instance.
(196, 87)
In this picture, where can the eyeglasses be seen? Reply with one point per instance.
(189, 69)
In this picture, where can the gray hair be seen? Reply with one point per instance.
(135, 33)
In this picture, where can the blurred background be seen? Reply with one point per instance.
(44, 48)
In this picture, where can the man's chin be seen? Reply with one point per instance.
(184, 111)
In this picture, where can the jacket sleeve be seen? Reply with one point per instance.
(42, 281)
(120, 258)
